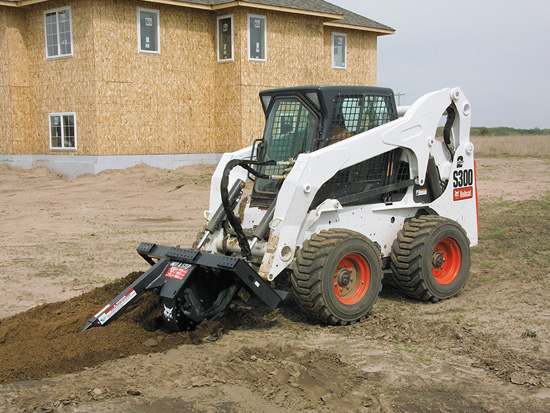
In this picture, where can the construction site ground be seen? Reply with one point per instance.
(67, 247)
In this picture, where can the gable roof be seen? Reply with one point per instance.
(336, 16)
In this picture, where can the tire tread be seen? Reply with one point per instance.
(308, 271)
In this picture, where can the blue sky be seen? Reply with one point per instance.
(497, 51)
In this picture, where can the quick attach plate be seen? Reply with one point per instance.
(233, 265)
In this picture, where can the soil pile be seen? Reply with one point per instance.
(46, 340)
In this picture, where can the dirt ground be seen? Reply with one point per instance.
(62, 241)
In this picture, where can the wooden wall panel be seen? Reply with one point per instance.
(5, 118)
(179, 101)
(63, 84)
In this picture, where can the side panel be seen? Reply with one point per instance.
(459, 201)
(378, 223)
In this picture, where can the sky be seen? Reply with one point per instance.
(496, 51)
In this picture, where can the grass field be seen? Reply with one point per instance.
(518, 145)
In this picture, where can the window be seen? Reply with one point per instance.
(353, 114)
(291, 129)
(148, 31)
(257, 38)
(57, 26)
(62, 131)
(225, 38)
(339, 50)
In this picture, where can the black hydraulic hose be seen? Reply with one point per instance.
(219, 215)
(451, 115)
(231, 217)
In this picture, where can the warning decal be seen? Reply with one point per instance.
(116, 307)
(178, 271)
(463, 193)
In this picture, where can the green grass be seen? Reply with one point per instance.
(537, 146)
(514, 240)
(529, 334)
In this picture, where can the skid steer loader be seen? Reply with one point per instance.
(343, 192)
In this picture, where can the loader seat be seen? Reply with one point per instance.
(339, 134)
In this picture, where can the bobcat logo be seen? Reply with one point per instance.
(168, 313)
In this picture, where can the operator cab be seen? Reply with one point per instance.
(304, 119)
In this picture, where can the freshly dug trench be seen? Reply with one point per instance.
(46, 340)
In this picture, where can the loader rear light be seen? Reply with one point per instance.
(477, 205)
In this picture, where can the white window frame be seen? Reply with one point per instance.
(63, 147)
(157, 12)
(344, 51)
(220, 59)
(56, 11)
(264, 18)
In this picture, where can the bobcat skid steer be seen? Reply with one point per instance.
(343, 191)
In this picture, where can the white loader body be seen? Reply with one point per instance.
(415, 132)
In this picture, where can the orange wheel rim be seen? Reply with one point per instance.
(446, 260)
(351, 278)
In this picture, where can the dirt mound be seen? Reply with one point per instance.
(46, 340)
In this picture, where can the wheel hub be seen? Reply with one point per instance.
(446, 261)
(351, 278)
(437, 260)
(343, 278)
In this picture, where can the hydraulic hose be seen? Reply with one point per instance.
(451, 115)
(231, 217)
(219, 215)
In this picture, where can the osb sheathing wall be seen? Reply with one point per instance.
(299, 52)
(5, 118)
(62, 84)
(14, 82)
(179, 101)
(155, 103)
(125, 102)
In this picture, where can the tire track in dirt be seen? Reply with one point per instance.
(484, 349)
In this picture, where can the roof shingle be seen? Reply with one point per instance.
(319, 6)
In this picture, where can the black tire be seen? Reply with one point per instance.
(337, 276)
(430, 259)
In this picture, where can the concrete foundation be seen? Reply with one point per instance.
(71, 166)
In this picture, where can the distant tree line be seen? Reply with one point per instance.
(501, 131)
